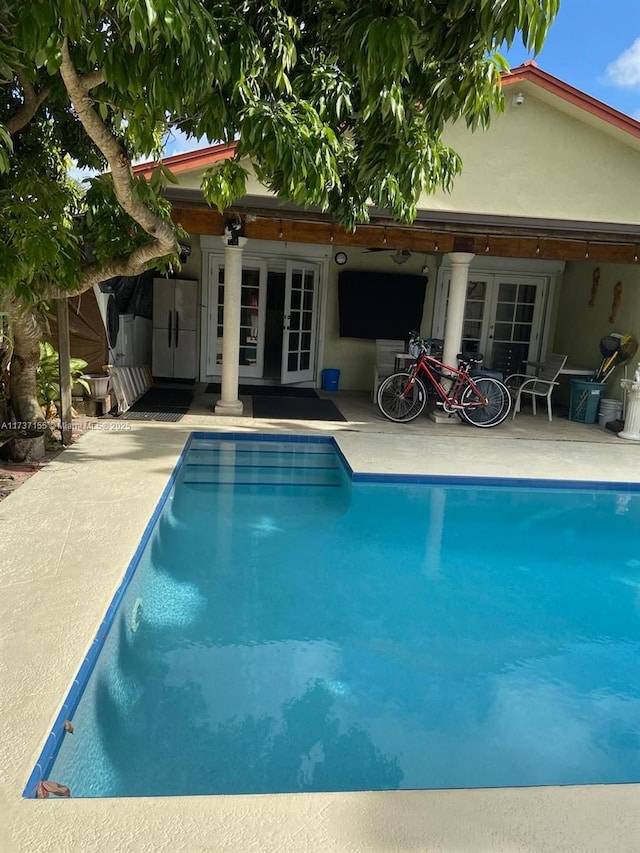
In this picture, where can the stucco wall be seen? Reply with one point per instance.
(537, 161)
(354, 357)
(579, 328)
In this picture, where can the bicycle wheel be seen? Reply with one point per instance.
(494, 410)
(397, 405)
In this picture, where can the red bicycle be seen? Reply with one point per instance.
(480, 400)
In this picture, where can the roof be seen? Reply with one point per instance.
(526, 74)
(198, 159)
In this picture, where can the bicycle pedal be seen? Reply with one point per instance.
(439, 403)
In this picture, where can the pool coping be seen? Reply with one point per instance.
(527, 819)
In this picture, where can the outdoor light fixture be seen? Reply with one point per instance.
(233, 230)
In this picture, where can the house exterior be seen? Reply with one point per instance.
(535, 250)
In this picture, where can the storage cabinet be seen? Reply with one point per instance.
(175, 303)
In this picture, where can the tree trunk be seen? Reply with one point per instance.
(23, 394)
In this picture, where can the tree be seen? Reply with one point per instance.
(336, 103)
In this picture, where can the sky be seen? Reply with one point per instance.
(594, 45)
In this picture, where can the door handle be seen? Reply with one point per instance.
(169, 327)
(285, 325)
(177, 327)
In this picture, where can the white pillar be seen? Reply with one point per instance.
(229, 404)
(631, 408)
(455, 307)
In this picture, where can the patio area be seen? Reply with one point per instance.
(70, 532)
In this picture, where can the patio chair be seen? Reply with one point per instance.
(541, 385)
(386, 351)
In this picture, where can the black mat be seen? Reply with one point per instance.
(296, 408)
(160, 404)
(265, 391)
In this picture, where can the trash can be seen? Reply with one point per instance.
(585, 399)
(330, 379)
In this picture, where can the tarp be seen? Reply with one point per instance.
(87, 333)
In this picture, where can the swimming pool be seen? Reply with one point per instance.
(290, 630)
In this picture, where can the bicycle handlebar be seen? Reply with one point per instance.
(419, 345)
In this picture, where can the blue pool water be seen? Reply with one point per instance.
(287, 629)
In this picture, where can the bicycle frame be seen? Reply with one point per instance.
(461, 378)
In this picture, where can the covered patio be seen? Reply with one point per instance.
(363, 417)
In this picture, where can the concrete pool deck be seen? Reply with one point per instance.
(68, 536)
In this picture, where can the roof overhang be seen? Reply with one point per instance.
(432, 231)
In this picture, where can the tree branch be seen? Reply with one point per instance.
(163, 234)
(130, 265)
(31, 105)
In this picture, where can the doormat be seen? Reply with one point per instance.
(265, 391)
(160, 404)
(296, 409)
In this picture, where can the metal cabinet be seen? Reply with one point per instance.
(175, 304)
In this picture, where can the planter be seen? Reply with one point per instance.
(98, 384)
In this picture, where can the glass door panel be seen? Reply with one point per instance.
(250, 356)
(298, 343)
(474, 312)
(514, 332)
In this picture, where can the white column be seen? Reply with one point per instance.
(631, 408)
(455, 307)
(229, 404)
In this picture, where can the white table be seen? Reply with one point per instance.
(567, 370)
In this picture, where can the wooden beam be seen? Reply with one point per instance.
(64, 366)
(420, 237)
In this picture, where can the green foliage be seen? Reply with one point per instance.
(48, 375)
(336, 104)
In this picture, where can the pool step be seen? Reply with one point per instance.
(261, 463)
(261, 475)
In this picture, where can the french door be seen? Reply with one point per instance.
(252, 318)
(299, 322)
(515, 314)
(502, 320)
(296, 314)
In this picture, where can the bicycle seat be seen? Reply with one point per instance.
(470, 357)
